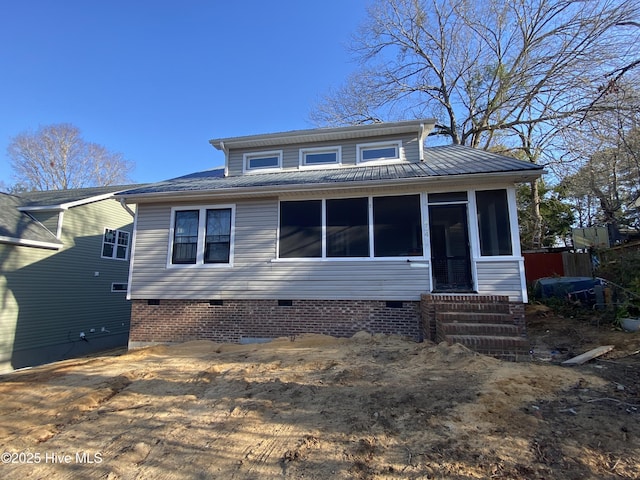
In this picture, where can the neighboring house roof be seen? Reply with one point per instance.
(18, 227)
(443, 161)
(63, 199)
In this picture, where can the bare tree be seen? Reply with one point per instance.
(602, 175)
(57, 157)
(492, 73)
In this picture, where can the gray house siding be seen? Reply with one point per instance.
(256, 274)
(291, 154)
(499, 278)
(50, 296)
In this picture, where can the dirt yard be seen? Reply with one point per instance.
(314, 407)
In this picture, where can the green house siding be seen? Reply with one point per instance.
(48, 297)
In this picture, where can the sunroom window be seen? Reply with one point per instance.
(202, 236)
(397, 226)
(301, 229)
(493, 222)
(346, 228)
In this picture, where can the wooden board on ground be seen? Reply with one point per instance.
(591, 354)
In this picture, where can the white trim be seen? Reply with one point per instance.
(68, 205)
(59, 225)
(316, 150)
(362, 147)
(202, 219)
(247, 157)
(30, 243)
(134, 234)
(474, 236)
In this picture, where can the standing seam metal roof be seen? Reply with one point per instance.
(439, 161)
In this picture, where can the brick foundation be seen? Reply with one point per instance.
(167, 321)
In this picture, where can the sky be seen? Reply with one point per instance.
(155, 80)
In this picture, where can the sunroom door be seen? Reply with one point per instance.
(450, 249)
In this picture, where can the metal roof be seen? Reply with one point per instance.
(443, 161)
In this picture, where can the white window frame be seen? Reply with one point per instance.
(315, 150)
(363, 147)
(202, 227)
(114, 290)
(115, 245)
(248, 157)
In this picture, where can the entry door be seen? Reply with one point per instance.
(450, 252)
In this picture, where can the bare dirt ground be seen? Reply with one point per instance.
(314, 407)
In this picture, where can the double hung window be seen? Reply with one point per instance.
(202, 236)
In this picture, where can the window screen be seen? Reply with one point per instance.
(301, 229)
(397, 226)
(348, 227)
(493, 222)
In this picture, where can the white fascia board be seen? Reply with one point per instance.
(30, 243)
(68, 205)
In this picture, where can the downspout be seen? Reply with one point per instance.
(421, 138)
(226, 159)
(124, 205)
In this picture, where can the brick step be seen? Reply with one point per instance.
(472, 307)
(501, 346)
(474, 317)
(486, 329)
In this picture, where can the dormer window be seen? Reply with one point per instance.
(319, 157)
(378, 152)
(263, 161)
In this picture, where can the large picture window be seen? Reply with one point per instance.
(344, 228)
(301, 229)
(493, 222)
(202, 236)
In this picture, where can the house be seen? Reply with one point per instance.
(332, 231)
(64, 263)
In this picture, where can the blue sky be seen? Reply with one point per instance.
(155, 79)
